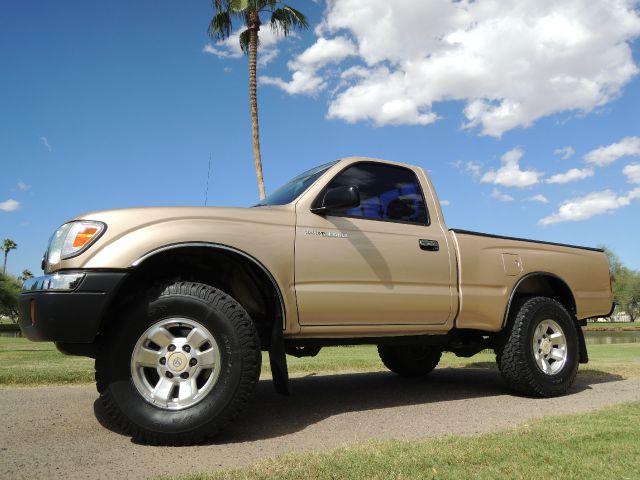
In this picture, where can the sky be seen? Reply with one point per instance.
(525, 113)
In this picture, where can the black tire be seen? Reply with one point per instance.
(239, 362)
(516, 356)
(409, 360)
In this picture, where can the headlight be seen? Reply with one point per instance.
(72, 239)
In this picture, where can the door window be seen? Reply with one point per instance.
(387, 193)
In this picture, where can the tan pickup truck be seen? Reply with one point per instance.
(176, 304)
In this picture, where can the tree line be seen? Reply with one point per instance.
(10, 286)
(626, 286)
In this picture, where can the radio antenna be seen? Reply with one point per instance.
(206, 192)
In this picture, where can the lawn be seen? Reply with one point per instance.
(602, 444)
(31, 363)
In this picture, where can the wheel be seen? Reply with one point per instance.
(409, 360)
(539, 355)
(180, 366)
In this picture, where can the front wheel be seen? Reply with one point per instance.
(540, 355)
(180, 366)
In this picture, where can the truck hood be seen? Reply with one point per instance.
(132, 218)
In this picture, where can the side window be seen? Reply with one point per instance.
(386, 193)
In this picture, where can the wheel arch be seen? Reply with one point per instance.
(544, 284)
(227, 268)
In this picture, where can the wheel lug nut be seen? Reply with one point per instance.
(169, 375)
(193, 362)
(171, 348)
(163, 361)
(186, 348)
(184, 375)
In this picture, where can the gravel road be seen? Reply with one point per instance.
(62, 432)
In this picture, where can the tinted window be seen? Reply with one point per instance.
(386, 193)
(295, 187)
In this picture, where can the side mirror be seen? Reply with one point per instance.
(337, 199)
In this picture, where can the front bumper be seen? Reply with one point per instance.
(67, 306)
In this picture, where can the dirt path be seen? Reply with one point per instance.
(62, 432)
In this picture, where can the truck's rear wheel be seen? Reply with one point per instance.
(540, 354)
(180, 366)
(409, 360)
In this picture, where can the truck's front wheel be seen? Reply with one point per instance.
(180, 365)
(409, 360)
(540, 354)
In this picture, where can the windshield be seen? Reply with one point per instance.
(294, 188)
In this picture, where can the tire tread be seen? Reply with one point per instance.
(251, 360)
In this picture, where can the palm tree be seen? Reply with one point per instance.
(283, 19)
(6, 248)
(26, 275)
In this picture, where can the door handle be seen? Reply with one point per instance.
(430, 245)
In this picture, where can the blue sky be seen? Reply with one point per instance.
(119, 104)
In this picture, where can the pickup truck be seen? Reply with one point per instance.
(177, 304)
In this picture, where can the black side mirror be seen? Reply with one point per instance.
(338, 199)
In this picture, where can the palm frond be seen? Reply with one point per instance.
(285, 18)
(221, 5)
(220, 26)
(244, 42)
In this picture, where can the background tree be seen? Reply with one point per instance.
(9, 291)
(7, 246)
(283, 18)
(26, 275)
(627, 292)
(626, 286)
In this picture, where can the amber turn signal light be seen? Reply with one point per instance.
(84, 236)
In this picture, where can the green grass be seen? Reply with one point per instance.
(602, 444)
(39, 363)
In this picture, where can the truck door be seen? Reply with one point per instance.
(383, 262)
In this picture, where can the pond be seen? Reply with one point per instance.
(609, 338)
(11, 334)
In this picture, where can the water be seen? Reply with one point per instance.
(17, 334)
(610, 338)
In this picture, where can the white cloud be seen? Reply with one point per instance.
(503, 197)
(538, 198)
(564, 152)
(305, 66)
(9, 205)
(445, 203)
(23, 186)
(590, 205)
(627, 147)
(230, 47)
(511, 62)
(571, 175)
(510, 174)
(632, 171)
(473, 168)
(45, 142)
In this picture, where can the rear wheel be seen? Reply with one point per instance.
(540, 354)
(180, 366)
(409, 360)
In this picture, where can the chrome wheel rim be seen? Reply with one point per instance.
(549, 347)
(175, 363)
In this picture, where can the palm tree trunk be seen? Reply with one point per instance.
(4, 265)
(253, 98)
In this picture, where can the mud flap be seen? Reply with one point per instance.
(278, 359)
(584, 356)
